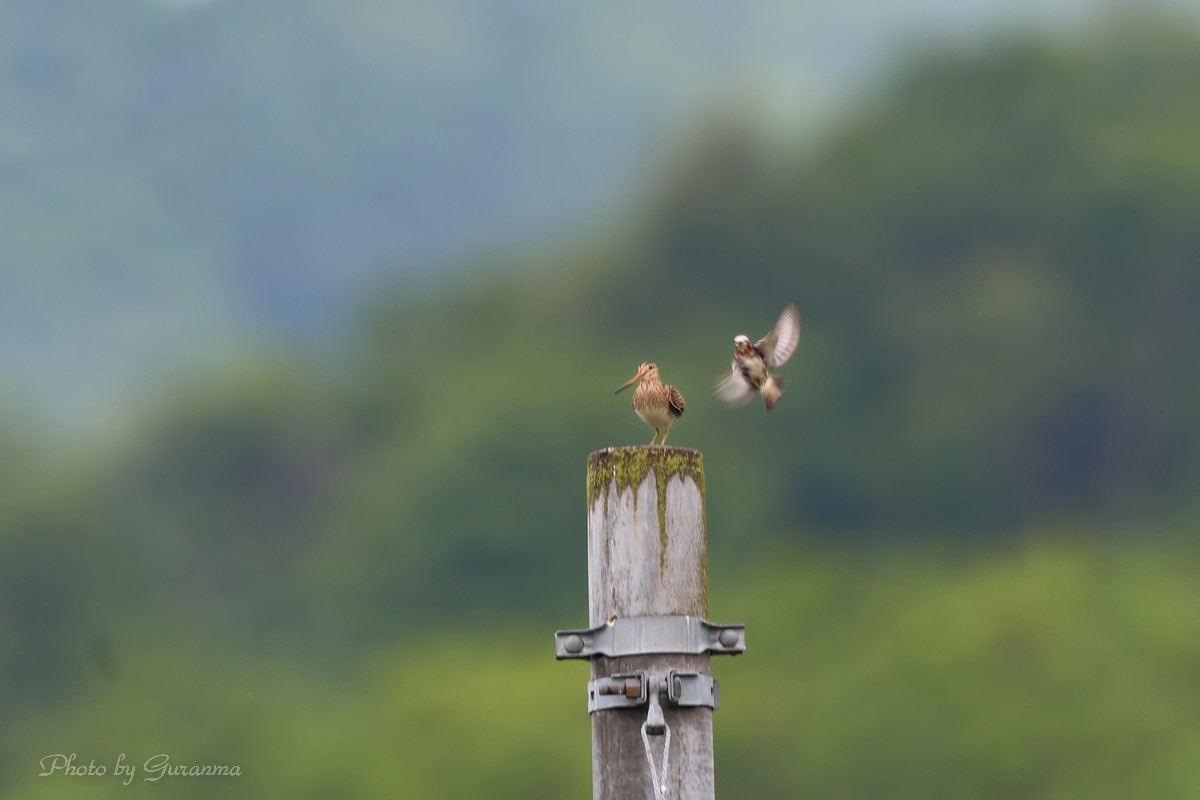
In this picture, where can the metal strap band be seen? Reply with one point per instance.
(636, 636)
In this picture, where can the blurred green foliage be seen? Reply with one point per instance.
(1046, 670)
(948, 543)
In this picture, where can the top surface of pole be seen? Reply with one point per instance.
(629, 466)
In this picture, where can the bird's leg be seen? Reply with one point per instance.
(664, 439)
(654, 437)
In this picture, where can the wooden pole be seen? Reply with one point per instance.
(647, 556)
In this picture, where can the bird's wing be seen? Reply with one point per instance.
(675, 400)
(778, 345)
(733, 389)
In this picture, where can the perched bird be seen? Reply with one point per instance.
(656, 403)
(748, 373)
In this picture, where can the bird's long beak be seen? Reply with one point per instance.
(628, 383)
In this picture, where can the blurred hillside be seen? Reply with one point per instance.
(992, 404)
(179, 176)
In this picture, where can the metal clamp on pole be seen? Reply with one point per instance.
(626, 690)
(689, 689)
(636, 636)
(629, 690)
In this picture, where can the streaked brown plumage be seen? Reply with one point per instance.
(748, 373)
(658, 404)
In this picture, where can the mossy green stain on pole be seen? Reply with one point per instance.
(629, 466)
(623, 469)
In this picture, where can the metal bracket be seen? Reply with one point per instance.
(629, 690)
(625, 690)
(690, 689)
(636, 636)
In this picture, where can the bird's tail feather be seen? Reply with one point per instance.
(772, 391)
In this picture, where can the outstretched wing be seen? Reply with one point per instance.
(733, 389)
(778, 345)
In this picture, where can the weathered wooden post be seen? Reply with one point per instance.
(651, 695)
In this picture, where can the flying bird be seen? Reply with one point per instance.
(748, 373)
(656, 403)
